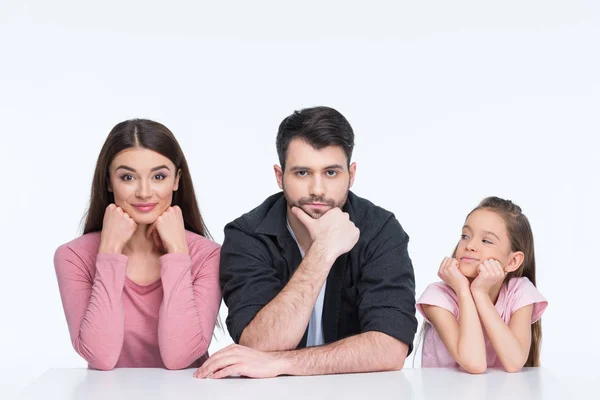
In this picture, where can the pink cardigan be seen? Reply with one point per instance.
(115, 322)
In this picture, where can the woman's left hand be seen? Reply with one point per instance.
(170, 228)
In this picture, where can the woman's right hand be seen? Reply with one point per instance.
(452, 276)
(117, 229)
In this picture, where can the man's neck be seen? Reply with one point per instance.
(300, 231)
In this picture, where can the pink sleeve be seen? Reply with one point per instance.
(524, 294)
(191, 300)
(93, 304)
(439, 295)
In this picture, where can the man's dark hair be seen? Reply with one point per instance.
(318, 126)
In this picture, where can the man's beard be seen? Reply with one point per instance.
(315, 214)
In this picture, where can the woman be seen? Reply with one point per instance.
(141, 288)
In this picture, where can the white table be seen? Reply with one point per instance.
(427, 383)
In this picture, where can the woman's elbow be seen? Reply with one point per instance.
(103, 365)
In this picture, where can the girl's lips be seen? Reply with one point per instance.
(144, 207)
(468, 259)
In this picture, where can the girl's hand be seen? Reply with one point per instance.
(490, 272)
(450, 274)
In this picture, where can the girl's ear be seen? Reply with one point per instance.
(515, 261)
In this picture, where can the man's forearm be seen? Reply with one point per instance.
(366, 352)
(281, 324)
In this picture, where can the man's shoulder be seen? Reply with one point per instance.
(250, 221)
(368, 216)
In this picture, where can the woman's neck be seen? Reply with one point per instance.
(139, 243)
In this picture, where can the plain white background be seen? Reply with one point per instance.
(450, 102)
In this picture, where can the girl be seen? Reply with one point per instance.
(490, 284)
(141, 288)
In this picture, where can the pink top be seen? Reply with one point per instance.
(517, 293)
(115, 322)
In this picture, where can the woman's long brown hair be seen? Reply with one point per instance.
(143, 133)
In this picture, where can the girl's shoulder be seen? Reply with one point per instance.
(520, 292)
(439, 294)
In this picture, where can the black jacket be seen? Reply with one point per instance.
(370, 288)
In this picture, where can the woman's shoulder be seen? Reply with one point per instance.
(200, 245)
(84, 248)
(88, 243)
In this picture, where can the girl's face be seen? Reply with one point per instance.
(485, 237)
(143, 182)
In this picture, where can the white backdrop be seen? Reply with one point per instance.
(450, 102)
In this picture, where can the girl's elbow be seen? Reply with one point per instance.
(513, 367)
(476, 369)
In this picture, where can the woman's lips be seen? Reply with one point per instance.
(144, 207)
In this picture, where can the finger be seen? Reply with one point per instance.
(218, 364)
(150, 231)
(453, 262)
(157, 241)
(481, 269)
(498, 267)
(306, 219)
(227, 371)
(215, 357)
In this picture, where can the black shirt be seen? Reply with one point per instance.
(370, 288)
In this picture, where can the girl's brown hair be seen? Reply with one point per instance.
(521, 239)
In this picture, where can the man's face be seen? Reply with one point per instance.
(315, 180)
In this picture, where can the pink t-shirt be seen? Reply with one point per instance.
(114, 322)
(517, 293)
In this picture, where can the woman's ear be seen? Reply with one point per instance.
(515, 261)
(176, 185)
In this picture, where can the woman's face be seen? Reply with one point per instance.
(142, 182)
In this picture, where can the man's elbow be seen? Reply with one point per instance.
(262, 344)
(396, 357)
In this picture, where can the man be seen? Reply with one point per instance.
(316, 279)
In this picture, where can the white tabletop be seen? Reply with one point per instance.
(426, 383)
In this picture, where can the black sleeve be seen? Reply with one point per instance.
(386, 288)
(248, 279)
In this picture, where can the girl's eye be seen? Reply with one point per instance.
(159, 177)
(126, 177)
